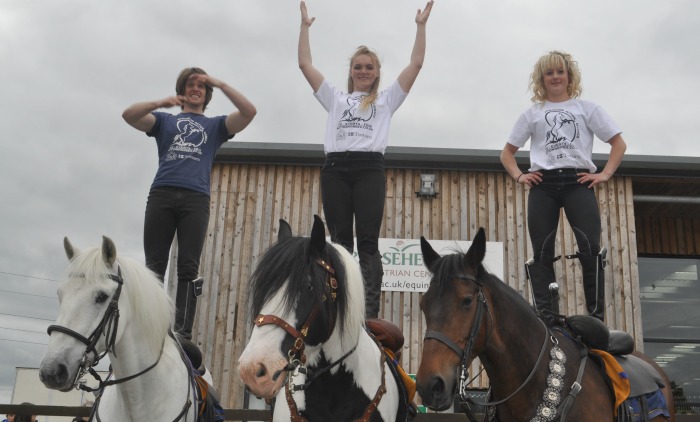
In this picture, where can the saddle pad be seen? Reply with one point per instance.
(616, 374)
(644, 379)
(407, 381)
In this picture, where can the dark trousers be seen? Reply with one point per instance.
(353, 187)
(172, 211)
(560, 189)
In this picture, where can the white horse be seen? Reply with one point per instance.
(117, 307)
(309, 347)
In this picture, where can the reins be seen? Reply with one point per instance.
(551, 406)
(297, 358)
(110, 323)
(465, 353)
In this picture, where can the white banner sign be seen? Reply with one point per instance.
(404, 270)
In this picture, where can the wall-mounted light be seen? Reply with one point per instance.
(427, 186)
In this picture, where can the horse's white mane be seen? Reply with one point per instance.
(355, 313)
(151, 308)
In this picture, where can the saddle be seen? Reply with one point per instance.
(390, 338)
(634, 382)
(209, 409)
(386, 333)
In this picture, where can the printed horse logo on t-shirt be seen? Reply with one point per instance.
(562, 126)
(191, 133)
(355, 113)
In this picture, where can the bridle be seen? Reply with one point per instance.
(296, 354)
(466, 352)
(296, 357)
(107, 327)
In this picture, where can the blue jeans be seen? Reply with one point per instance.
(353, 187)
(171, 211)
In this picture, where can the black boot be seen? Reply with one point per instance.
(541, 276)
(593, 285)
(185, 308)
(372, 274)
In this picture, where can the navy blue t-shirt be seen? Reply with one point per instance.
(187, 144)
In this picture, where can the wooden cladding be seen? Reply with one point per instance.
(248, 200)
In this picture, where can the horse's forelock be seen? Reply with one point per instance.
(283, 261)
(292, 260)
(150, 304)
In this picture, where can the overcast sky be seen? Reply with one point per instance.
(69, 164)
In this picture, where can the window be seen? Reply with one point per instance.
(670, 298)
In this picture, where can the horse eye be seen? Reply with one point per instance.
(101, 297)
(467, 302)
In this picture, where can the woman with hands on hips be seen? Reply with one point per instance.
(561, 127)
(353, 181)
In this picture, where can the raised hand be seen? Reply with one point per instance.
(422, 17)
(305, 20)
(175, 100)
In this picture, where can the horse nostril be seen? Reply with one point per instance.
(62, 373)
(437, 386)
(261, 371)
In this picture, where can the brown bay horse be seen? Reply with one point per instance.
(536, 373)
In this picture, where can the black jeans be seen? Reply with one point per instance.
(559, 188)
(353, 186)
(172, 210)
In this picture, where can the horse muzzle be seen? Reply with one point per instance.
(435, 393)
(263, 380)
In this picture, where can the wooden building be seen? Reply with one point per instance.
(651, 206)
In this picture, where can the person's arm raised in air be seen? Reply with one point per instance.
(410, 73)
(312, 75)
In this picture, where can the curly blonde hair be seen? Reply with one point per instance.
(374, 89)
(553, 60)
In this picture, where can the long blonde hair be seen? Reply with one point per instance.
(373, 92)
(553, 60)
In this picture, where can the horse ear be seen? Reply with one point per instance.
(476, 252)
(318, 234)
(71, 252)
(429, 254)
(109, 251)
(285, 230)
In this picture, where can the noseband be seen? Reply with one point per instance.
(108, 327)
(465, 353)
(296, 354)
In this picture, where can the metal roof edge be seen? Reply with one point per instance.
(447, 159)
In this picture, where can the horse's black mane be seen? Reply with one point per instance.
(294, 259)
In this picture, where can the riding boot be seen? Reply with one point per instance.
(372, 274)
(593, 285)
(185, 308)
(541, 276)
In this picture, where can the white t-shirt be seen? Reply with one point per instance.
(351, 129)
(562, 133)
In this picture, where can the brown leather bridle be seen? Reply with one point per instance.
(296, 356)
(296, 353)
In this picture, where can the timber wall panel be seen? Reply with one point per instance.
(248, 200)
(660, 235)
